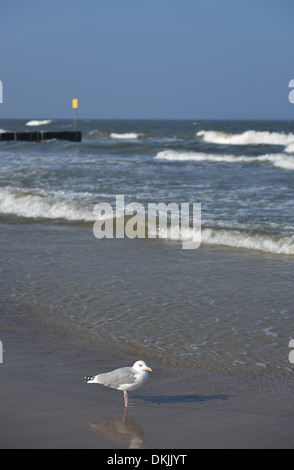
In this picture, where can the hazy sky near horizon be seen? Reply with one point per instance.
(147, 59)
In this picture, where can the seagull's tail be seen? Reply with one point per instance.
(90, 379)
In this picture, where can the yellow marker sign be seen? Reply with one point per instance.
(75, 103)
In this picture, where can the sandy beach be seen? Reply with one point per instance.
(44, 401)
(46, 404)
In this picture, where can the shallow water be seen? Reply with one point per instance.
(209, 308)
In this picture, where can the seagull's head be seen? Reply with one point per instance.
(141, 366)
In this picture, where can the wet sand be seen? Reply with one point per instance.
(46, 404)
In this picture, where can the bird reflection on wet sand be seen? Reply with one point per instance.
(127, 432)
(123, 431)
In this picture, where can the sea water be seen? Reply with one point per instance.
(227, 305)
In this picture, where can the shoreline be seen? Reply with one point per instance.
(44, 401)
(137, 297)
(46, 404)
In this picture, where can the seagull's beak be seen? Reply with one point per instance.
(148, 368)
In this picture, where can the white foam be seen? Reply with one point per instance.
(175, 156)
(126, 136)
(280, 160)
(241, 239)
(247, 240)
(38, 123)
(57, 206)
(289, 148)
(41, 206)
(249, 137)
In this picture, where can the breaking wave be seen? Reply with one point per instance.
(55, 206)
(45, 206)
(126, 136)
(116, 135)
(278, 160)
(39, 123)
(289, 148)
(249, 137)
(268, 243)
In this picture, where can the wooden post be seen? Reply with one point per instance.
(75, 107)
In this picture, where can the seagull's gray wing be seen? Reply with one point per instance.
(125, 375)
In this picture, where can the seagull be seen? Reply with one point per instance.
(125, 378)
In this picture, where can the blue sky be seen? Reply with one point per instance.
(185, 59)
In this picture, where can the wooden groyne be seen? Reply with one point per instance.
(38, 136)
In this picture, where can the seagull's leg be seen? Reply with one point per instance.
(126, 398)
(125, 414)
